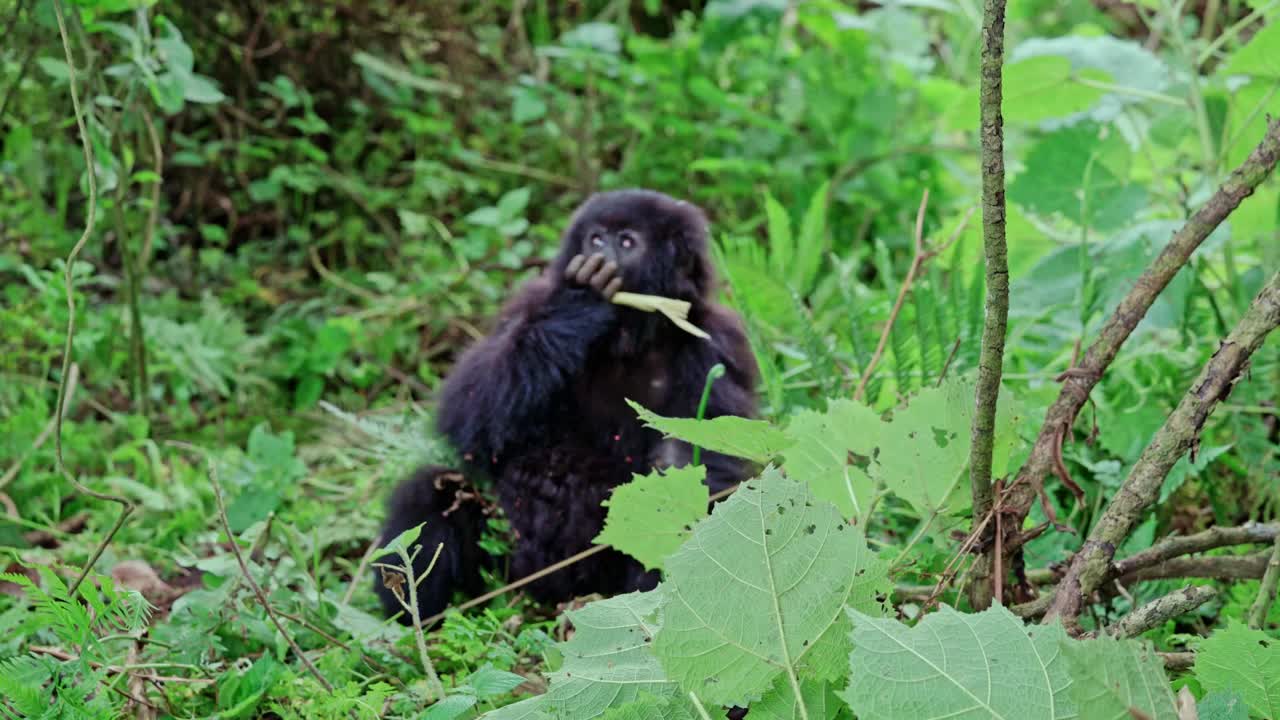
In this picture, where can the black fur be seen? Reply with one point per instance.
(538, 405)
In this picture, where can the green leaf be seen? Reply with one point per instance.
(651, 516)
(923, 454)
(450, 708)
(1260, 57)
(1244, 661)
(822, 449)
(530, 709)
(740, 437)
(956, 666)
(200, 89)
(1222, 705)
(1042, 88)
(405, 540)
(609, 661)
(649, 707)
(760, 585)
(782, 245)
(489, 682)
(1069, 172)
(1111, 678)
(811, 246)
(780, 703)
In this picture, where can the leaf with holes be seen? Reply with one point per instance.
(740, 437)
(759, 588)
(652, 515)
(832, 450)
(960, 667)
(1113, 678)
(923, 453)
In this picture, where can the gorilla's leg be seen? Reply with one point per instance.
(454, 518)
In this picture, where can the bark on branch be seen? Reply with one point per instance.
(1157, 611)
(1090, 566)
(991, 358)
(1199, 542)
(1081, 380)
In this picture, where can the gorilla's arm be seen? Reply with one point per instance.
(507, 380)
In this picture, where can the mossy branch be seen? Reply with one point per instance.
(995, 250)
(1141, 489)
(1154, 613)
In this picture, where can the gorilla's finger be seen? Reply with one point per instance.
(612, 288)
(574, 264)
(604, 275)
(589, 268)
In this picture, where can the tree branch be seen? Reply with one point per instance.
(1082, 379)
(1181, 429)
(991, 358)
(1157, 611)
(1222, 567)
(1200, 542)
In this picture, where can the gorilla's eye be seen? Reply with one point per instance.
(597, 241)
(628, 240)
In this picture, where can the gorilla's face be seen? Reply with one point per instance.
(658, 243)
(624, 243)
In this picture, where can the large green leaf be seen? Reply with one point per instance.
(740, 437)
(759, 588)
(608, 663)
(652, 515)
(1244, 661)
(1112, 678)
(818, 700)
(823, 453)
(1078, 174)
(923, 453)
(1042, 88)
(960, 667)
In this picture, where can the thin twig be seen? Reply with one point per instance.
(126, 507)
(921, 256)
(1267, 591)
(65, 656)
(248, 576)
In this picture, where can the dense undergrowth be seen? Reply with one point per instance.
(303, 211)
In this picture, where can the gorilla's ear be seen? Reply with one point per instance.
(687, 232)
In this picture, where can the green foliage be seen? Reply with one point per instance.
(758, 593)
(1242, 661)
(989, 665)
(949, 664)
(1115, 678)
(304, 216)
(653, 514)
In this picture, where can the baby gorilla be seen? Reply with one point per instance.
(539, 406)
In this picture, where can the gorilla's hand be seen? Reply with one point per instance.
(594, 271)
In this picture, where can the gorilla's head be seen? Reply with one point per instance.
(658, 242)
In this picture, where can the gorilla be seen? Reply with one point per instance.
(538, 407)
